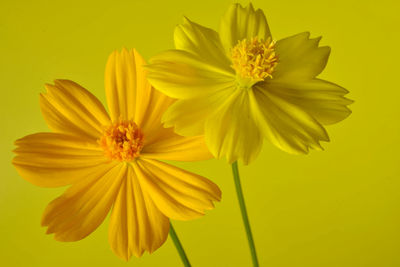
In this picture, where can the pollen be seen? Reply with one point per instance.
(254, 60)
(122, 141)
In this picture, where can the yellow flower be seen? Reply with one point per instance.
(113, 161)
(238, 86)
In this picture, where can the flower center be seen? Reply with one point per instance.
(253, 60)
(122, 141)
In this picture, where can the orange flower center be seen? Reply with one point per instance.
(253, 60)
(122, 141)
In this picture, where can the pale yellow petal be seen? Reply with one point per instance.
(300, 58)
(56, 159)
(321, 99)
(179, 194)
(240, 23)
(136, 224)
(69, 108)
(83, 207)
(178, 148)
(188, 116)
(287, 126)
(232, 132)
(180, 74)
(164, 143)
(201, 41)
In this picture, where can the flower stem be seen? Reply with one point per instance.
(245, 218)
(178, 246)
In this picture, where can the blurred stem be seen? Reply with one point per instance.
(178, 246)
(245, 218)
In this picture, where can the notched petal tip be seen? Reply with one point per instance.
(316, 40)
(185, 20)
(306, 34)
(47, 86)
(326, 49)
(249, 7)
(241, 23)
(136, 225)
(300, 58)
(217, 195)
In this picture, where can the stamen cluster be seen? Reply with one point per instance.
(254, 59)
(122, 141)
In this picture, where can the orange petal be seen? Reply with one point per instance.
(136, 224)
(130, 96)
(56, 159)
(83, 207)
(69, 108)
(179, 194)
(121, 83)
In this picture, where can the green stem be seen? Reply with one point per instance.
(245, 218)
(178, 246)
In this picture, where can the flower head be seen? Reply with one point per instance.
(239, 86)
(112, 162)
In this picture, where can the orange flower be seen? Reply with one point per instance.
(112, 162)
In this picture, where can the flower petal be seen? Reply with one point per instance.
(127, 89)
(83, 207)
(179, 194)
(136, 224)
(180, 74)
(188, 116)
(231, 131)
(56, 159)
(178, 148)
(150, 117)
(240, 23)
(69, 108)
(130, 95)
(300, 58)
(287, 126)
(163, 143)
(321, 99)
(203, 42)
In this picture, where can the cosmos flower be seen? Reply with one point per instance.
(113, 162)
(239, 86)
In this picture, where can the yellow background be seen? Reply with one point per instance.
(340, 207)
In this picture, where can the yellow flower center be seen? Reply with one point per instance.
(253, 60)
(122, 141)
